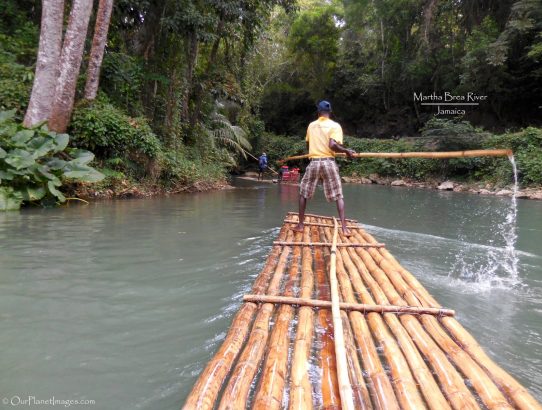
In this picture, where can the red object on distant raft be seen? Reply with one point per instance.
(290, 175)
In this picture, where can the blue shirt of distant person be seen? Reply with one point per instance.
(262, 164)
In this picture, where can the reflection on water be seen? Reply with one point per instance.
(124, 302)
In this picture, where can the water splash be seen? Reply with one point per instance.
(498, 267)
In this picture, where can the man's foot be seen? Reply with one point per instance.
(347, 232)
(299, 228)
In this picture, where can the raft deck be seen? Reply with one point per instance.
(402, 350)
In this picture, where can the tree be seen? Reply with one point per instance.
(70, 63)
(43, 89)
(99, 40)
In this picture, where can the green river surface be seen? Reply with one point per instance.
(123, 302)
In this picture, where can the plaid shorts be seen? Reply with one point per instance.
(328, 172)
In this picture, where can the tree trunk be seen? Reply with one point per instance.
(70, 63)
(103, 16)
(43, 89)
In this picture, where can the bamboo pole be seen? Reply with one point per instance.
(418, 368)
(404, 383)
(435, 155)
(274, 375)
(329, 389)
(481, 382)
(379, 382)
(259, 160)
(235, 395)
(362, 399)
(206, 389)
(514, 390)
(359, 307)
(345, 389)
(300, 385)
(328, 244)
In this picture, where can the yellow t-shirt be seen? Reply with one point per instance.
(318, 135)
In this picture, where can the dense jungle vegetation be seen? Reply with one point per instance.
(187, 86)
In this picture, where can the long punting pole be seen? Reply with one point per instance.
(436, 155)
(345, 390)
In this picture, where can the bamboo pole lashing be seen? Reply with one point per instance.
(208, 385)
(359, 307)
(328, 244)
(347, 402)
(429, 155)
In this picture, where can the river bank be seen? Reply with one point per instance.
(121, 189)
(479, 188)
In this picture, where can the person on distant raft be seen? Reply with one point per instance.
(262, 165)
(324, 139)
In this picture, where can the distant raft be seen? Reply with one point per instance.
(397, 349)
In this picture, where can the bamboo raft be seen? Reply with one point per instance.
(335, 326)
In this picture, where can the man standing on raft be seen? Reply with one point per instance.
(324, 139)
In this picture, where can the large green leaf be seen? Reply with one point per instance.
(82, 173)
(6, 175)
(6, 115)
(10, 200)
(55, 192)
(19, 159)
(44, 149)
(56, 163)
(22, 137)
(81, 156)
(2, 153)
(61, 141)
(33, 193)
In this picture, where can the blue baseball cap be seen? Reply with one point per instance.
(324, 106)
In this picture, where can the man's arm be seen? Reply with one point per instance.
(336, 147)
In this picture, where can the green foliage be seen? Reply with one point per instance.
(527, 148)
(278, 147)
(15, 78)
(122, 77)
(179, 170)
(34, 161)
(104, 129)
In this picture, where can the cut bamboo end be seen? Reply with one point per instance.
(359, 307)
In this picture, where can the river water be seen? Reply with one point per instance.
(123, 302)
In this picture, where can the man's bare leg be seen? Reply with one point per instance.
(340, 208)
(302, 205)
